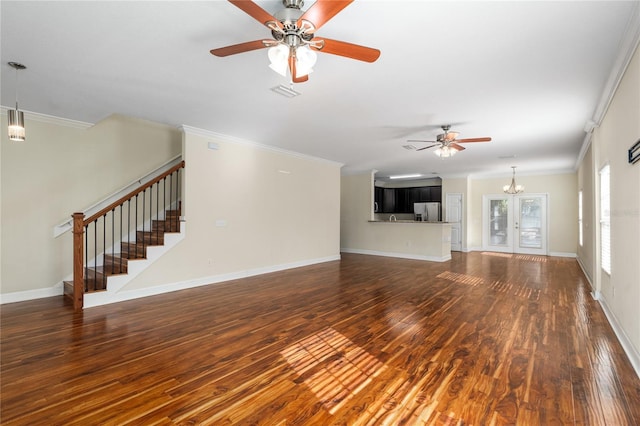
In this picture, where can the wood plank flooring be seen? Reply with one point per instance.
(484, 339)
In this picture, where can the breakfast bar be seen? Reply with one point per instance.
(409, 239)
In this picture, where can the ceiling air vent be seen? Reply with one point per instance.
(285, 91)
(409, 147)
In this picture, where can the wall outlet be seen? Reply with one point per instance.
(221, 223)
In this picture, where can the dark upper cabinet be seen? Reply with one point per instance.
(436, 194)
(388, 200)
(400, 200)
(378, 197)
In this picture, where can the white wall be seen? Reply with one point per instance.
(248, 209)
(619, 293)
(64, 167)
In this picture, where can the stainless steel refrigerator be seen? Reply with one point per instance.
(427, 212)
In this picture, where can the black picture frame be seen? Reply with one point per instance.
(634, 153)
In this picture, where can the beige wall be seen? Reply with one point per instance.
(60, 169)
(562, 207)
(586, 251)
(249, 208)
(356, 208)
(619, 293)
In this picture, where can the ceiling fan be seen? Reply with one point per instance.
(294, 42)
(447, 142)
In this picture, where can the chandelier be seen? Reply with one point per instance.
(513, 188)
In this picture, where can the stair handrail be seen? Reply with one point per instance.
(79, 223)
(132, 194)
(67, 225)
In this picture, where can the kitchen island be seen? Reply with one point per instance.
(406, 239)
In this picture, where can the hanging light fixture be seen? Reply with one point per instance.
(445, 151)
(16, 117)
(513, 188)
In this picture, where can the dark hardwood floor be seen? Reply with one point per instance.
(482, 339)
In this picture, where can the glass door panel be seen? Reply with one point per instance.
(499, 219)
(530, 225)
(530, 221)
(497, 223)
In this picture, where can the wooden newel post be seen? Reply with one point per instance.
(78, 264)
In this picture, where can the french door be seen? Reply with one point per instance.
(515, 223)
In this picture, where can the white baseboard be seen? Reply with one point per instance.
(629, 349)
(213, 279)
(398, 255)
(40, 293)
(563, 254)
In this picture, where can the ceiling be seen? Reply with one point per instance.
(528, 74)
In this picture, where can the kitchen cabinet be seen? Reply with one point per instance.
(400, 200)
(389, 200)
(378, 196)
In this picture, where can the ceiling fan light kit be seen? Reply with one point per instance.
(445, 152)
(294, 45)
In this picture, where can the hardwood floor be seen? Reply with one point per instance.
(482, 339)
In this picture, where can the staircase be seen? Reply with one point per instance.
(97, 277)
(142, 225)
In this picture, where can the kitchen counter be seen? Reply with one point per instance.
(408, 239)
(408, 221)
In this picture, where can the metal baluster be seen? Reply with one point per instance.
(86, 258)
(167, 222)
(113, 237)
(135, 229)
(104, 247)
(120, 261)
(144, 206)
(157, 184)
(95, 252)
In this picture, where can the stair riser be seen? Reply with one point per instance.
(153, 238)
(165, 226)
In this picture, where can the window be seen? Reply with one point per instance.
(580, 237)
(605, 219)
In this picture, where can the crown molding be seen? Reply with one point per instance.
(50, 119)
(627, 48)
(235, 140)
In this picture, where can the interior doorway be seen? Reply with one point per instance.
(515, 223)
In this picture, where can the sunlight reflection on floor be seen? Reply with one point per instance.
(333, 367)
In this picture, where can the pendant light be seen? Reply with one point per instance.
(513, 188)
(16, 117)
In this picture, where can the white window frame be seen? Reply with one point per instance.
(580, 224)
(605, 219)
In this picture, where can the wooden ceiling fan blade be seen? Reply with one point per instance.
(451, 136)
(294, 72)
(473, 140)
(348, 50)
(321, 11)
(427, 147)
(255, 11)
(240, 48)
(456, 146)
(420, 140)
